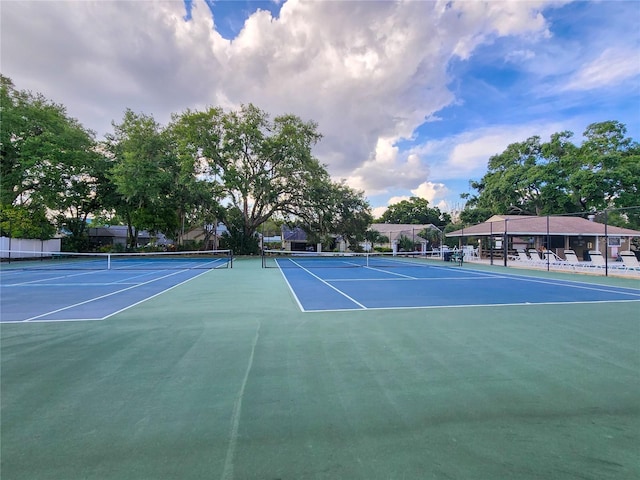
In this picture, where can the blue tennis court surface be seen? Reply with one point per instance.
(74, 295)
(424, 286)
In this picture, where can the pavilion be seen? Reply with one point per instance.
(507, 233)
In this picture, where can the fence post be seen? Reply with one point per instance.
(505, 241)
(606, 242)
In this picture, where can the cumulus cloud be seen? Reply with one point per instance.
(368, 72)
(430, 191)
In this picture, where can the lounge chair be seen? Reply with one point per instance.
(554, 260)
(572, 259)
(534, 255)
(521, 256)
(629, 260)
(597, 260)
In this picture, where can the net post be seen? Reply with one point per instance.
(109, 261)
(230, 258)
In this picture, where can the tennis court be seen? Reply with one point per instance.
(224, 376)
(334, 282)
(73, 287)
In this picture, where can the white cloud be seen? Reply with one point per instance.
(430, 191)
(368, 72)
(467, 154)
(612, 67)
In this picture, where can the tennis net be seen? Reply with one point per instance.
(206, 259)
(290, 259)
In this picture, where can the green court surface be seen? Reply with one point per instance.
(225, 378)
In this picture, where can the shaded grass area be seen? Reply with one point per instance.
(224, 378)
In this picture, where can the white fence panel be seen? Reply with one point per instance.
(26, 248)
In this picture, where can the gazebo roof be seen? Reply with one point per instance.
(532, 225)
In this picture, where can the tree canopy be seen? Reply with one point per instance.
(241, 167)
(244, 167)
(415, 211)
(48, 163)
(532, 177)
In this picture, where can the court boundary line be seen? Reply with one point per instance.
(493, 305)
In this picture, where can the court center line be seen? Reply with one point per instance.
(101, 297)
(392, 273)
(329, 285)
(227, 472)
(410, 279)
(51, 278)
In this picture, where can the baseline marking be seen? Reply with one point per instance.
(492, 305)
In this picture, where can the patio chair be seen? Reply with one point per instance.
(572, 259)
(554, 260)
(597, 260)
(521, 256)
(535, 257)
(629, 260)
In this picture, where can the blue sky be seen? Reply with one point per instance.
(412, 97)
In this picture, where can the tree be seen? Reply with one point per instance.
(265, 167)
(351, 213)
(415, 211)
(195, 137)
(335, 209)
(606, 168)
(143, 172)
(18, 221)
(531, 177)
(514, 181)
(49, 161)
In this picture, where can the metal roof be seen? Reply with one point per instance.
(531, 225)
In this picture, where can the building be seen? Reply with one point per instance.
(394, 232)
(557, 233)
(116, 235)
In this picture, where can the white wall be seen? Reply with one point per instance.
(25, 248)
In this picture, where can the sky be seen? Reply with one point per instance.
(412, 97)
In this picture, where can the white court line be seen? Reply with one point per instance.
(101, 297)
(227, 472)
(392, 273)
(408, 279)
(492, 305)
(102, 284)
(57, 277)
(323, 281)
(573, 284)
